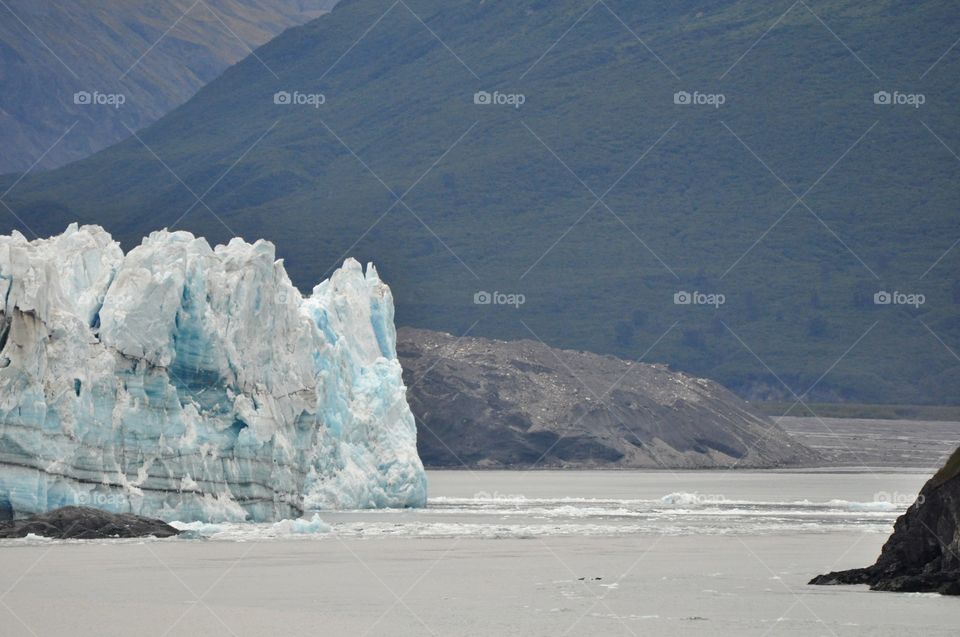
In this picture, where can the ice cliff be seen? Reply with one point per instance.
(187, 382)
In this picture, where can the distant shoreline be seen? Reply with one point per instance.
(943, 413)
(846, 445)
(607, 469)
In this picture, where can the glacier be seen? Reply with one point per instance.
(192, 383)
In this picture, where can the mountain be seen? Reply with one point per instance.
(153, 54)
(923, 553)
(486, 403)
(781, 230)
(192, 383)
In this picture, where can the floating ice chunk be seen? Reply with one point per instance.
(683, 498)
(197, 529)
(878, 505)
(301, 526)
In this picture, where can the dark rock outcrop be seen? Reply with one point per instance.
(923, 554)
(489, 403)
(84, 523)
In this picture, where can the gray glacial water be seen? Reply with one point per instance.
(503, 553)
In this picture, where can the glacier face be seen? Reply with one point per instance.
(194, 383)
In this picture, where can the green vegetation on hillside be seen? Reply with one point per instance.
(142, 57)
(499, 198)
(949, 471)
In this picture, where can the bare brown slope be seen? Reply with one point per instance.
(489, 403)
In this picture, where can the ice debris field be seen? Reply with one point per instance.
(193, 383)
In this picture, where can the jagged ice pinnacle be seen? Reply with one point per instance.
(187, 382)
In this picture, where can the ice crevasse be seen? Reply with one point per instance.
(194, 383)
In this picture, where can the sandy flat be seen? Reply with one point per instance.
(859, 442)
